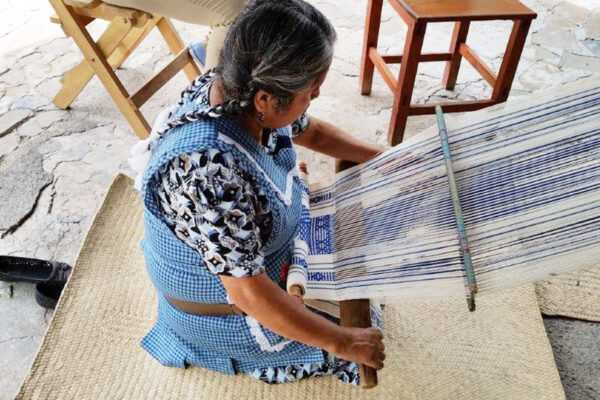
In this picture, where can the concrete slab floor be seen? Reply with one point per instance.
(69, 173)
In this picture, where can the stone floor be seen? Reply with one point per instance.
(56, 165)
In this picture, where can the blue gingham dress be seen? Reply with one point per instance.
(231, 343)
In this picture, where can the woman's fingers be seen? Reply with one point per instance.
(302, 167)
(378, 354)
(365, 346)
(377, 364)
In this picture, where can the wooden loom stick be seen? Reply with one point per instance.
(353, 313)
(296, 290)
(357, 313)
(460, 224)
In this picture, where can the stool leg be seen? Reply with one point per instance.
(510, 60)
(101, 67)
(75, 80)
(130, 42)
(370, 40)
(461, 28)
(167, 30)
(406, 81)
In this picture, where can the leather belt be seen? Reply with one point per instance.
(207, 309)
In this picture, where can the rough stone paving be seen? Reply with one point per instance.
(56, 165)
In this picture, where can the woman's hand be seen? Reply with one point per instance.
(261, 298)
(362, 345)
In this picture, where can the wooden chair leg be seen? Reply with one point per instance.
(406, 80)
(508, 68)
(101, 67)
(75, 80)
(160, 79)
(461, 28)
(175, 44)
(370, 40)
(130, 42)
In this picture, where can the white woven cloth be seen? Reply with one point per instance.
(528, 176)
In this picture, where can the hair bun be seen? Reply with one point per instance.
(280, 46)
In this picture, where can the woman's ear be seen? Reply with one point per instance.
(265, 102)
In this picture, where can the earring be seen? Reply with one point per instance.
(260, 117)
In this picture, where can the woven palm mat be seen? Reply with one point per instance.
(435, 348)
(573, 294)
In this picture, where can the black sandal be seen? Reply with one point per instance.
(21, 269)
(47, 294)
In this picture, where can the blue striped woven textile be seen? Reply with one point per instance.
(528, 179)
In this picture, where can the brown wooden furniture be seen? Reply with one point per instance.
(127, 28)
(417, 14)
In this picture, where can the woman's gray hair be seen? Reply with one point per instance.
(280, 46)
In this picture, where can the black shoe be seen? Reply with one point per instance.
(47, 294)
(21, 269)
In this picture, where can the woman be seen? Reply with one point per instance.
(223, 200)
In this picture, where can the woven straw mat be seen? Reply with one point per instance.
(574, 294)
(435, 348)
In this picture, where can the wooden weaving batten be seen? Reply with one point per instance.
(465, 252)
(357, 313)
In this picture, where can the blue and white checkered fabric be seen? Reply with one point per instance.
(223, 344)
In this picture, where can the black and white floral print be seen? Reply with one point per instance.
(346, 371)
(300, 125)
(214, 206)
(218, 209)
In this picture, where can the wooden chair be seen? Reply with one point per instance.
(127, 28)
(417, 14)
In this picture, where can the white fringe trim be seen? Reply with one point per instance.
(261, 339)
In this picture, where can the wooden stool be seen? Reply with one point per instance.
(126, 30)
(416, 14)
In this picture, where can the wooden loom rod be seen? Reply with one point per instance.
(460, 224)
(357, 313)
